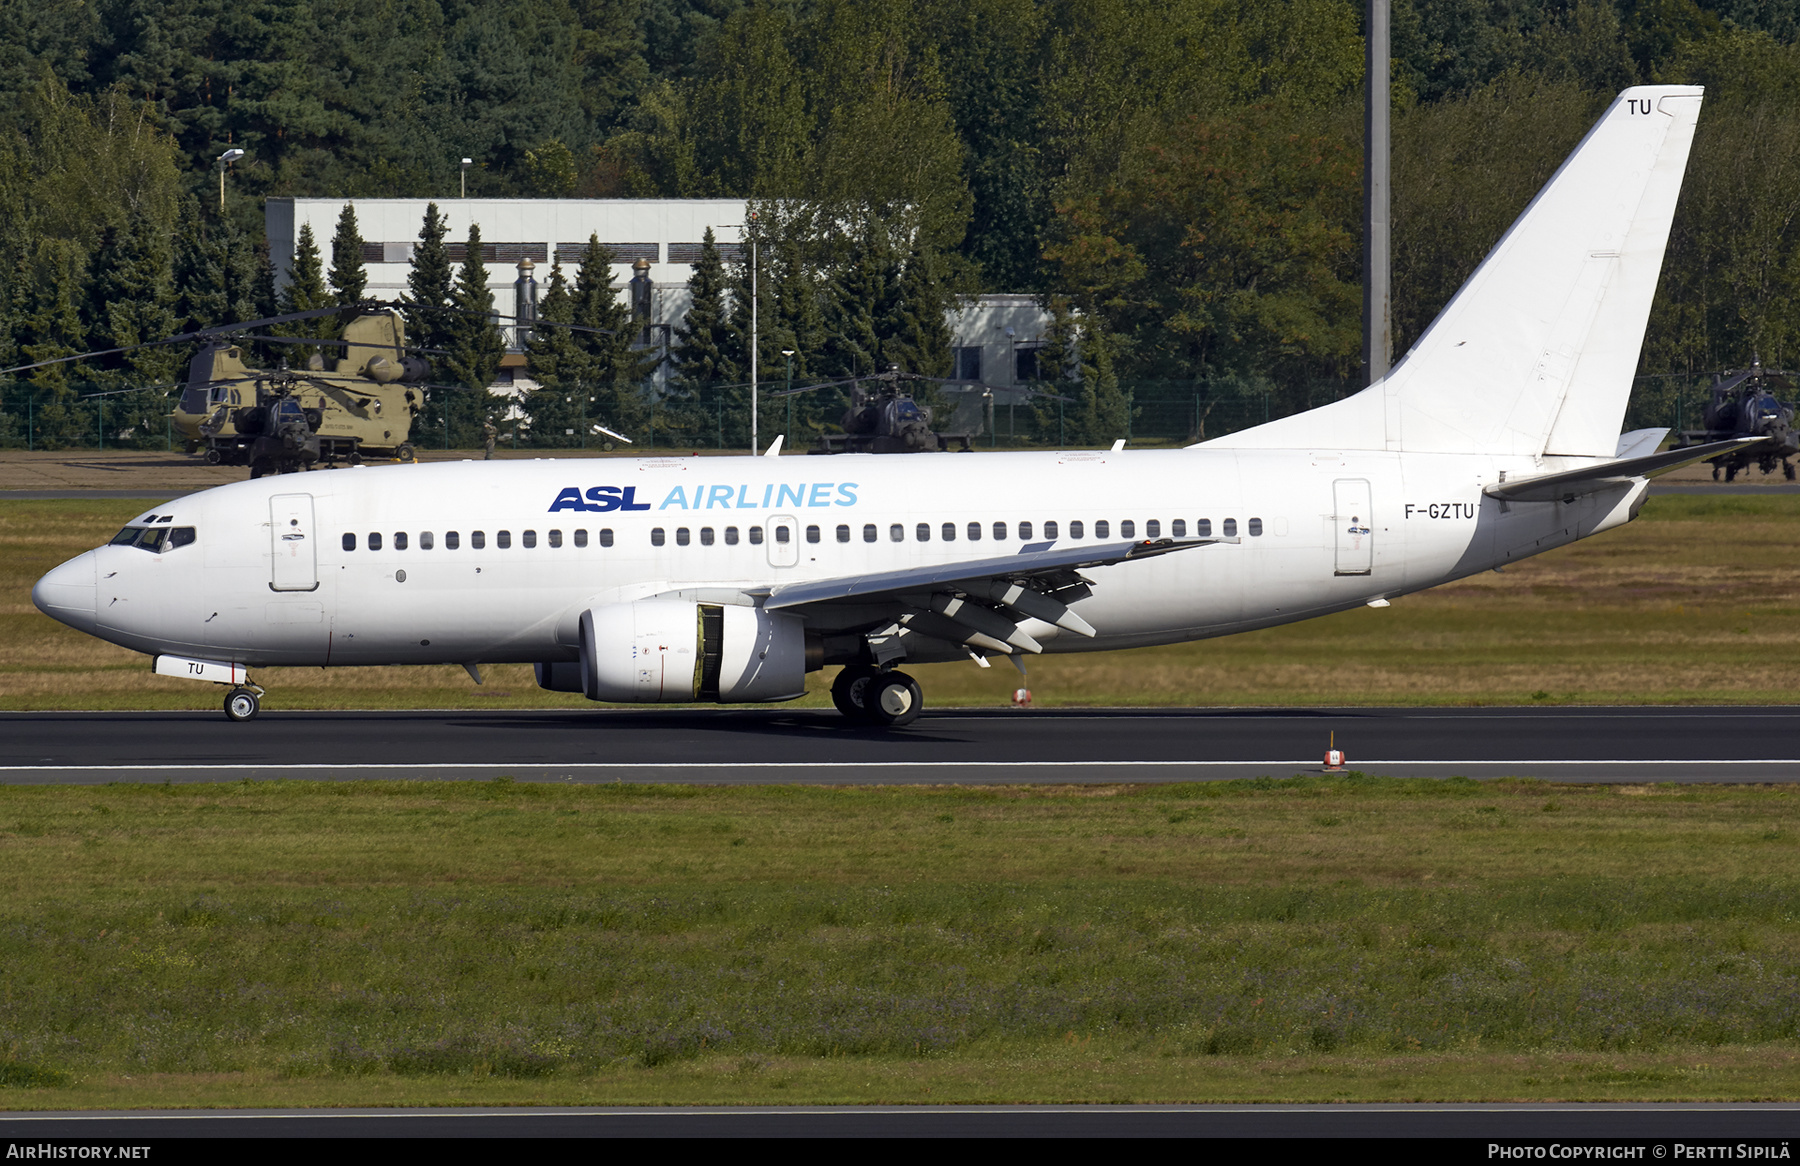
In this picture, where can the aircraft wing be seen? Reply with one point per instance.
(980, 602)
(1570, 484)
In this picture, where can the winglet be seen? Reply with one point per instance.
(775, 446)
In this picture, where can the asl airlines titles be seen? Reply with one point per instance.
(772, 496)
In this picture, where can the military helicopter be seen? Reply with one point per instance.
(884, 418)
(1743, 405)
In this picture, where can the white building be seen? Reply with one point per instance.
(996, 337)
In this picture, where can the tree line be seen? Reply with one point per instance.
(1179, 181)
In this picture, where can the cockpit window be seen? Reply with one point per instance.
(155, 539)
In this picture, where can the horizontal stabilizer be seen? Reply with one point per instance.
(1571, 484)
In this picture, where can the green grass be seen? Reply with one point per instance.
(1695, 603)
(1315, 938)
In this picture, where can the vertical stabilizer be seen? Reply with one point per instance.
(1535, 354)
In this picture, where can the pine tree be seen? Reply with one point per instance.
(428, 284)
(305, 291)
(618, 401)
(476, 345)
(348, 277)
(559, 366)
(703, 340)
(856, 296)
(915, 334)
(133, 300)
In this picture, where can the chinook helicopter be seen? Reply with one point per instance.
(1743, 405)
(883, 417)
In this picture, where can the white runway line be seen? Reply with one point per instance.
(394, 765)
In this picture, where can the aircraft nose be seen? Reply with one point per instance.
(67, 593)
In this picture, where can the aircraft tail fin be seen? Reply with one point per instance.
(1535, 354)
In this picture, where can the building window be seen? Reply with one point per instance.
(606, 536)
(657, 537)
(968, 363)
(1025, 364)
(349, 542)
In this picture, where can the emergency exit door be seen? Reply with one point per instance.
(1355, 526)
(295, 566)
(784, 541)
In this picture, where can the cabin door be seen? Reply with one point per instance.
(296, 565)
(1355, 526)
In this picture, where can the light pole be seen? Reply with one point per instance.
(789, 354)
(226, 159)
(466, 163)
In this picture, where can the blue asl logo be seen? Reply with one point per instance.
(599, 499)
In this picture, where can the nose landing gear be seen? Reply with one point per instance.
(870, 696)
(242, 704)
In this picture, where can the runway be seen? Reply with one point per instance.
(1624, 1124)
(764, 746)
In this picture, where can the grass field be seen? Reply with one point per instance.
(1315, 938)
(1696, 602)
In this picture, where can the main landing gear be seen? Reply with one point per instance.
(870, 696)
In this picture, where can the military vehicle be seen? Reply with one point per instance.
(1743, 404)
(883, 417)
(358, 405)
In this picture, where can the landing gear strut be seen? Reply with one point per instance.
(872, 697)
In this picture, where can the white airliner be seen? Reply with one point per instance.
(681, 579)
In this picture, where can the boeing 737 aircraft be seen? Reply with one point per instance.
(682, 579)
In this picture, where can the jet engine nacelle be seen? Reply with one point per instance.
(674, 651)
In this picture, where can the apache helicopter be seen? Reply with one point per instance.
(884, 418)
(1743, 405)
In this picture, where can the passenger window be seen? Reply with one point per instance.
(349, 542)
(606, 536)
(999, 532)
(477, 539)
(949, 532)
(756, 536)
(1203, 528)
(1075, 528)
(1230, 527)
(503, 539)
(657, 537)
(731, 536)
(1256, 528)
(843, 533)
(528, 538)
(581, 538)
(682, 536)
(556, 538)
(426, 541)
(922, 532)
(1102, 528)
(1152, 529)
(400, 540)
(181, 536)
(812, 534)
(869, 532)
(706, 536)
(974, 532)
(452, 540)
(374, 540)
(1178, 528)
(1024, 532)
(897, 533)
(1127, 529)
(1050, 529)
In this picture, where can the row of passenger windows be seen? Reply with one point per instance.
(922, 532)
